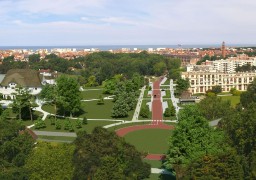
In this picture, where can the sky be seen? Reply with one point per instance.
(126, 22)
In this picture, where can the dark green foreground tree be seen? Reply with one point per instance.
(14, 149)
(103, 155)
(192, 142)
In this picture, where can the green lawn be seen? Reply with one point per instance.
(92, 94)
(167, 94)
(134, 124)
(233, 99)
(154, 163)
(167, 82)
(146, 94)
(88, 127)
(164, 87)
(150, 140)
(94, 111)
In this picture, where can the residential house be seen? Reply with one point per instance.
(25, 78)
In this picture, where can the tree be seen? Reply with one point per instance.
(120, 108)
(216, 89)
(144, 111)
(14, 149)
(33, 58)
(104, 155)
(250, 95)
(69, 94)
(191, 139)
(240, 127)
(225, 165)
(49, 93)
(101, 100)
(23, 103)
(50, 161)
(182, 84)
(91, 81)
(167, 112)
(213, 107)
(159, 68)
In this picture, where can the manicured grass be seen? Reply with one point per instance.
(146, 95)
(92, 94)
(154, 177)
(48, 108)
(88, 127)
(164, 87)
(94, 111)
(144, 102)
(154, 163)
(27, 122)
(63, 138)
(134, 124)
(150, 140)
(167, 94)
(167, 82)
(233, 99)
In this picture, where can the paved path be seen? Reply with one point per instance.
(175, 100)
(123, 131)
(214, 122)
(137, 109)
(54, 140)
(160, 171)
(49, 133)
(157, 109)
(155, 157)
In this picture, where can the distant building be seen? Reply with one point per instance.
(224, 65)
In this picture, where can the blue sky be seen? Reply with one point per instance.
(127, 22)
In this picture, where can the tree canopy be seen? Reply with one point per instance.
(104, 155)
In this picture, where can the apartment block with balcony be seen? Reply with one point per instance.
(201, 81)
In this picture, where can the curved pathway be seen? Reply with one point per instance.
(123, 131)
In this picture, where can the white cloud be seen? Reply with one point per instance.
(128, 21)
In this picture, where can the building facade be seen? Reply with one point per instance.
(201, 81)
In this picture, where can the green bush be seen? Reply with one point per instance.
(57, 124)
(39, 124)
(101, 100)
(144, 111)
(78, 124)
(85, 121)
(167, 112)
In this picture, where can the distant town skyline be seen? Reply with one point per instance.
(126, 22)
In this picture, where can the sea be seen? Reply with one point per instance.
(115, 47)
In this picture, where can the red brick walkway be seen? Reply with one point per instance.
(156, 123)
(157, 109)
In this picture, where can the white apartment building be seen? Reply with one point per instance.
(227, 66)
(201, 81)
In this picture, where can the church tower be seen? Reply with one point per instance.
(223, 50)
